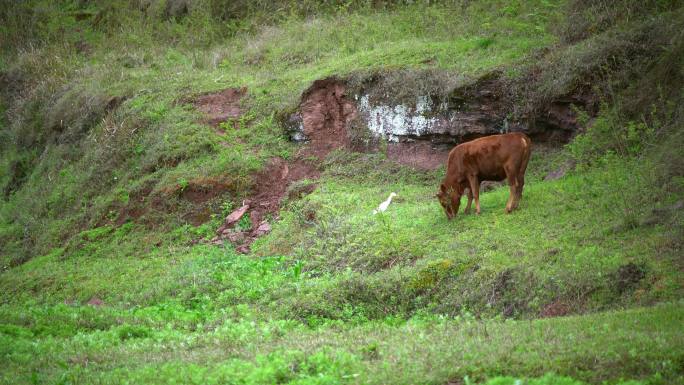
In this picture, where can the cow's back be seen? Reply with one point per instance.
(488, 156)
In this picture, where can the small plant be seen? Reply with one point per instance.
(297, 269)
(244, 224)
(182, 184)
(126, 332)
(430, 276)
(227, 207)
(484, 43)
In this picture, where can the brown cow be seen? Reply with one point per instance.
(496, 158)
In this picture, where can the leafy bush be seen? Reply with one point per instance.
(608, 133)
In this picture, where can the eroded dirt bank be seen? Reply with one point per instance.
(325, 115)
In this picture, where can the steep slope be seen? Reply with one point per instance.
(130, 129)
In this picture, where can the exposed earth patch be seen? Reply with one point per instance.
(326, 113)
(220, 106)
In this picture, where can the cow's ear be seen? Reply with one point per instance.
(442, 188)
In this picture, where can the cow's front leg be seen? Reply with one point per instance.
(470, 200)
(475, 191)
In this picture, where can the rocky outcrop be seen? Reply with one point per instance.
(465, 113)
(424, 125)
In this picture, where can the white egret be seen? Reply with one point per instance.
(383, 206)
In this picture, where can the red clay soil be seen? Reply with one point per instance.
(269, 190)
(200, 192)
(272, 183)
(137, 206)
(221, 106)
(326, 114)
(555, 309)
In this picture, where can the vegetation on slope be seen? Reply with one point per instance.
(61, 130)
(97, 112)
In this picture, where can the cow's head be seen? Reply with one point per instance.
(450, 199)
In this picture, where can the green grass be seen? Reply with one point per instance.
(567, 243)
(334, 315)
(333, 294)
(114, 346)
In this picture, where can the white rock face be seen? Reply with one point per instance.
(392, 122)
(441, 122)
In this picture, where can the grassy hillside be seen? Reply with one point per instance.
(113, 182)
(61, 128)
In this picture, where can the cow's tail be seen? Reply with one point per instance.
(527, 151)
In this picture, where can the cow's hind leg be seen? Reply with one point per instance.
(519, 191)
(513, 185)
